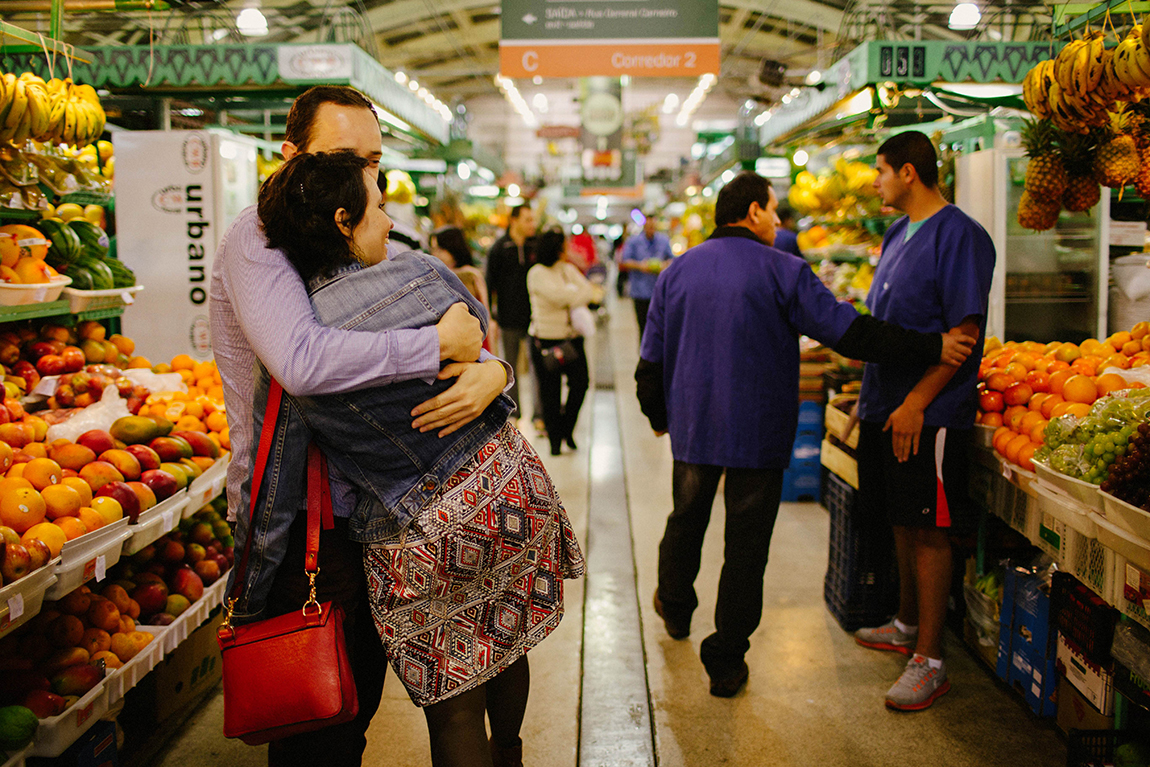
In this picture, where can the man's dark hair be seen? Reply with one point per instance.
(734, 200)
(914, 148)
(297, 207)
(784, 212)
(454, 242)
(549, 248)
(519, 209)
(301, 116)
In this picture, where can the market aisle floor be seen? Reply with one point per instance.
(814, 697)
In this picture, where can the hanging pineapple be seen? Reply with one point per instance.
(1116, 163)
(1082, 190)
(1045, 174)
(1038, 213)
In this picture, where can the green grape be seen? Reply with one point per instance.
(1109, 457)
(1120, 450)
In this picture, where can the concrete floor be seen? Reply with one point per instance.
(814, 697)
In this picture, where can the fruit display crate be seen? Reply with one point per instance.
(1130, 578)
(836, 460)
(207, 486)
(162, 518)
(197, 613)
(16, 758)
(1081, 491)
(1092, 563)
(80, 301)
(20, 601)
(1094, 748)
(56, 733)
(89, 556)
(129, 675)
(1132, 547)
(836, 420)
(1066, 510)
(34, 294)
(1127, 516)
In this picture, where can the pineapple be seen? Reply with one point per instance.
(1117, 162)
(1082, 190)
(1038, 213)
(1045, 174)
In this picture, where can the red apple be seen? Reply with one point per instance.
(51, 365)
(17, 562)
(26, 370)
(125, 495)
(185, 581)
(161, 482)
(73, 359)
(38, 349)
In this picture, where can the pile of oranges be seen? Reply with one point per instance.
(201, 408)
(1022, 386)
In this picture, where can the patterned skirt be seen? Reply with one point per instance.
(476, 580)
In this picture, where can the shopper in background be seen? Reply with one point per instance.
(581, 251)
(507, 264)
(404, 234)
(719, 371)
(457, 627)
(556, 287)
(644, 256)
(450, 246)
(260, 310)
(935, 272)
(786, 238)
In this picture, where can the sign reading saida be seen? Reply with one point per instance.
(587, 38)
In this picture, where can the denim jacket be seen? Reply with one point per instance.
(366, 435)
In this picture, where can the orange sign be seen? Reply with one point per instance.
(612, 59)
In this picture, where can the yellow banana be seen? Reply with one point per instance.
(1128, 74)
(1140, 57)
(1080, 72)
(19, 106)
(1096, 60)
(85, 123)
(1064, 64)
(23, 129)
(88, 93)
(56, 117)
(38, 108)
(69, 134)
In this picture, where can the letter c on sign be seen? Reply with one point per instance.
(531, 61)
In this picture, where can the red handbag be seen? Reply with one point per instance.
(287, 675)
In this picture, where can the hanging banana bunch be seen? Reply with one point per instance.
(55, 111)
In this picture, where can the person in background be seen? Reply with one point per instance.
(556, 287)
(581, 251)
(260, 312)
(729, 398)
(786, 238)
(507, 264)
(935, 272)
(644, 256)
(404, 235)
(450, 246)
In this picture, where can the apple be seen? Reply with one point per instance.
(26, 370)
(171, 552)
(73, 359)
(201, 533)
(162, 483)
(185, 581)
(152, 597)
(208, 570)
(97, 440)
(39, 552)
(194, 553)
(51, 365)
(17, 562)
(8, 535)
(125, 495)
(37, 350)
(81, 382)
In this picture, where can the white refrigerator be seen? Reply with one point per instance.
(176, 194)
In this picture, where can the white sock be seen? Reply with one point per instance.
(935, 663)
(905, 628)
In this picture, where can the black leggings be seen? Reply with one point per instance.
(456, 726)
(560, 417)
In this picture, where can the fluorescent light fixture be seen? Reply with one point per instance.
(251, 22)
(982, 90)
(800, 158)
(708, 192)
(539, 101)
(514, 201)
(391, 119)
(815, 77)
(218, 35)
(577, 229)
(786, 99)
(484, 190)
(857, 104)
(513, 190)
(537, 80)
(692, 191)
(413, 85)
(464, 171)
(964, 16)
(228, 150)
(670, 103)
(485, 174)
(761, 120)
(401, 78)
(728, 176)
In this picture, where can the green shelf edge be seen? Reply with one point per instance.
(54, 309)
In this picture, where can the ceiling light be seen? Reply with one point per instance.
(219, 34)
(464, 171)
(815, 77)
(964, 16)
(761, 120)
(413, 85)
(251, 22)
(670, 103)
(537, 80)
(401, 77)
(513, 190)
(728, 176)
(576, 229)
(800, 158)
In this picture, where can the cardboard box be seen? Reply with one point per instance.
(1035, 677)
(1095, 682)
(1076, 713)
(190, 670)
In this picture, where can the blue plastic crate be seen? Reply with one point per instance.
(801, 480)
(861, 584)
(811, 418)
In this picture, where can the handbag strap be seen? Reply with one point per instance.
(319, 508)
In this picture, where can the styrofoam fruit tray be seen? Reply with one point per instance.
(89, 556)
(56, 733)
(1080, 490)
(1127, 516)
(1066, 510)
(12, 294)
(16, 758)
(1113, 537)
(208, 485)
(122, 679)
(1020, 476)
(23, 598)
(91, 300)
(197, 613)
(162, 518)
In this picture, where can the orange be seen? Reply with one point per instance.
(11, 483)
(203, 369)
(61, 501)
(183, 362)
(1078, 410)
(1025, 456)
(42, 472)
(1027, 359)
(188, 423)
(194, 409)
(1055, 366)
(1080, 389)
(21, 508)
(1130, 348)
(1017, 370)
(1110, 382)
(999, 379)
(1013, 416)
(1060, 409)
(1015, 445)
(32, 270)
(6, 456)
(36, 449)
(1002, 435)
(1058, 379)
(1120, 339)
(1038, 432)
(1116, 360)
(1049, 404)
(1028, 422)
(1090, 346)
(217, 421)
(139, 362)
(73, 528)
(1086, 366)
(91, 519)
(1140, 330)
(225, 439)
(52, 536)
(1067, 353)
(108, 508)
(992, 419)
(1146, 343)
(81, 487)
(17, 471)
(1036, 401)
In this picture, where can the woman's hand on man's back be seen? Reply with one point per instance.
(460, 335)
(476, 387)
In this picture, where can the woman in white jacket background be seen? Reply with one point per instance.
(556, 287)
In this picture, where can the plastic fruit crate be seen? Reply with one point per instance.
(95, 300)
(162, 518)
(56, 733)
(1135, 549)
(89, 556)
(16, 758)
(1083, 617)
(36, 293)
(1081, 491)
(1094, 748)
(1129, 517)
(1092, 564)
(207, 486)
(861, 584)
(129, 675)
(1130, 583)
(21, 600)
(1066, 510)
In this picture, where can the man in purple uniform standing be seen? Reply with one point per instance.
(260, 309)
(719, 371)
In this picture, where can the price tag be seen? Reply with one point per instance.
(101, 568)
(15, 607)
(169, 518)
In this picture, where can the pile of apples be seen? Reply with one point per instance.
(1023, 385)
(69, 647)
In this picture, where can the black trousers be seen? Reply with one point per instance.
(641, 307)
(752, 505)
(560, 417)
(341, 579)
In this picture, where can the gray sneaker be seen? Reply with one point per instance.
(887, 637)
(918, 687)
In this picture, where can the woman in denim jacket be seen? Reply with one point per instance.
(465, 538)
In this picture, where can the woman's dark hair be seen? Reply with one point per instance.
(454, 242)
(549, 248)
(734, 200)
(914, 148)
(297, 207)
(301, 116)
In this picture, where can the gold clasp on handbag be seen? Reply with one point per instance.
(226, 626)
(311, 600)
